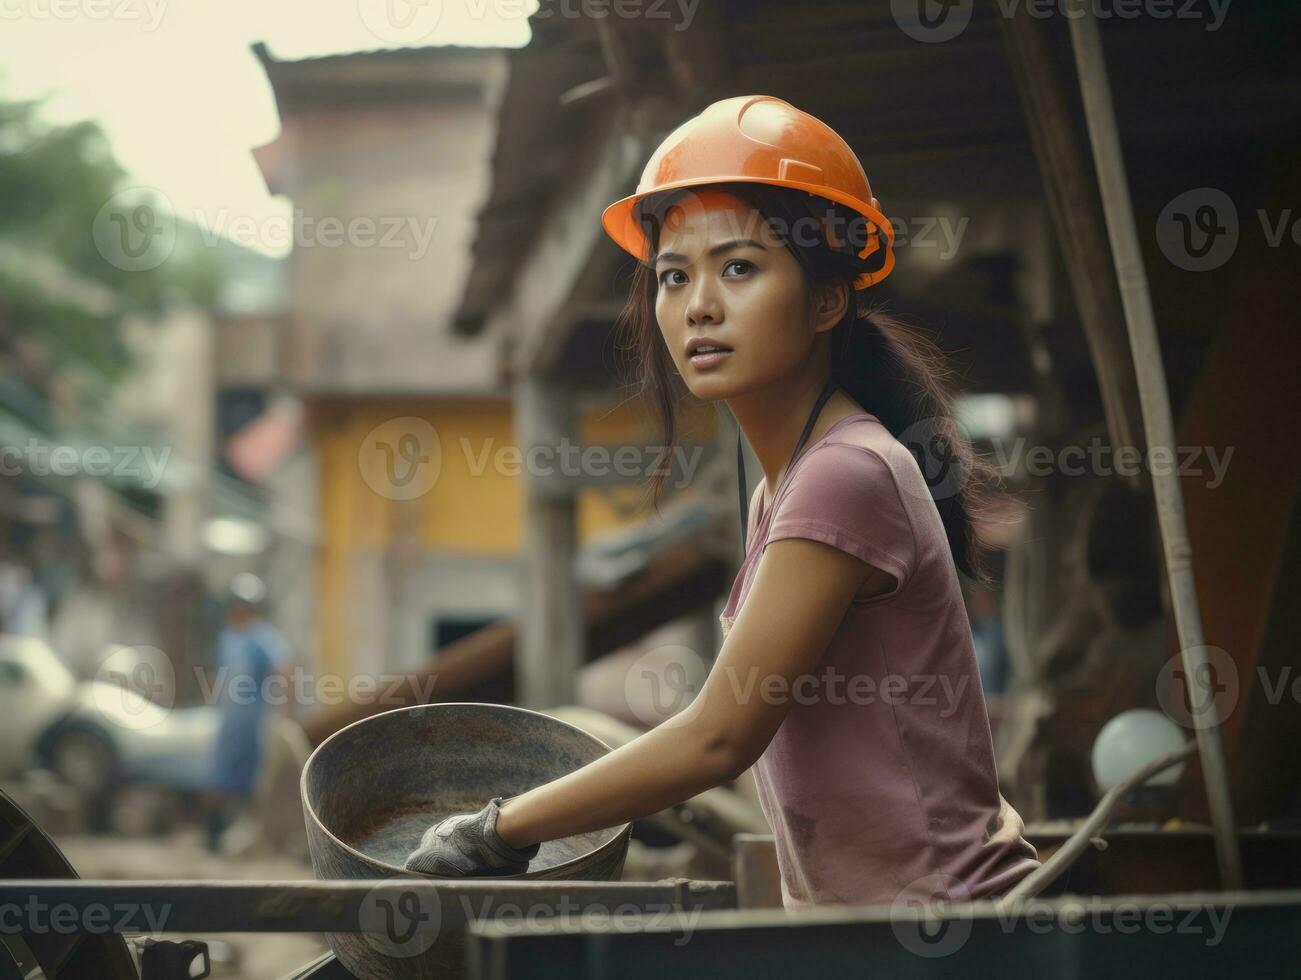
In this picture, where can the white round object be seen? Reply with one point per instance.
(1129, 742)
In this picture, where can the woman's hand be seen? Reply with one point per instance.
(466, 844)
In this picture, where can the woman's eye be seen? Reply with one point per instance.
(741, 262)
(667, 272)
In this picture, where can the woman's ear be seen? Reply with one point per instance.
(830, 303)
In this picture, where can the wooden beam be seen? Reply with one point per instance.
(1077, 217)
(697, 57)
(550, 650)
(604, 169)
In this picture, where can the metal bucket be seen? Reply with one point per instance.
(371, 789)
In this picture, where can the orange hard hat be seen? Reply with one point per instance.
(757, 139)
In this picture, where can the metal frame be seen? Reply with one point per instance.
(1154, 400)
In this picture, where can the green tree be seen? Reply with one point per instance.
(59, 188)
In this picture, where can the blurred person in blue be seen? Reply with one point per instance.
(250, 653)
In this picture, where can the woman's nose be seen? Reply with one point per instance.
(703, 306)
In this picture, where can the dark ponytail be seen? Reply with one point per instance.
(894, 372)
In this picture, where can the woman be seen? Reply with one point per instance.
(847, 676)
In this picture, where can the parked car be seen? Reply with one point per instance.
(95, 734)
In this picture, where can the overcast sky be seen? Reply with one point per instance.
(177, 89)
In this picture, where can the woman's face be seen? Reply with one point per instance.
(722, 275)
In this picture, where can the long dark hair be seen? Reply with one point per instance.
(894, 372)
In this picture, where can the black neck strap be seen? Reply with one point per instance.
(827, 390)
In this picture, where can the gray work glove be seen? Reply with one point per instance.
(467, 844)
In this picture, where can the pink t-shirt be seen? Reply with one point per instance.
(881, 777)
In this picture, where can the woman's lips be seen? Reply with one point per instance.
(707, 359)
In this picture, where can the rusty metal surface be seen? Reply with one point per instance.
(342, 906)
(1118, 937)
(409, 927)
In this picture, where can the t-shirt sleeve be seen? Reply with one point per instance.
(847, 496)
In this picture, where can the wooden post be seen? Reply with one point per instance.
(1074, 207)
(550, 651)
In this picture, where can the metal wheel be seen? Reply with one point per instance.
(26, 852)
(84, 760)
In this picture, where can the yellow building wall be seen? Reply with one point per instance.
(457, 492)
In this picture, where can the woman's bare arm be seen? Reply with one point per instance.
(801, 591)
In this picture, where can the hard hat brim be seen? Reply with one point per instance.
(617, 218)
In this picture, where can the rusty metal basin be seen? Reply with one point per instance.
(370, 790)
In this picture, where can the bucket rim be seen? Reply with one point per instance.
(624, 830)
